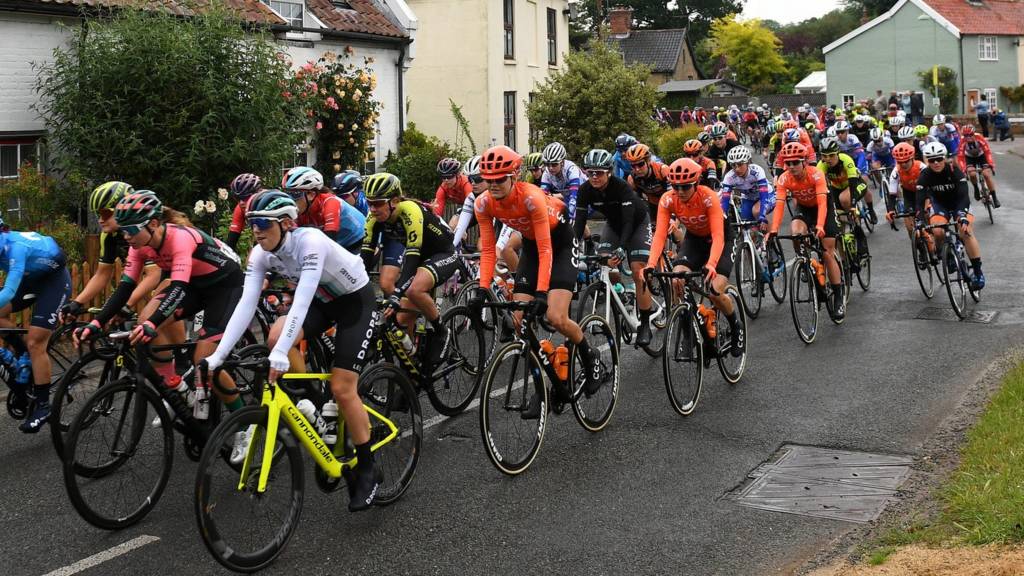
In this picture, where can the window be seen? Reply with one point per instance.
(510, 120)
(534, 133)
(552, 38)
(509, 16)
(15, 153)
(987, 48)
(990, 95)
(290, 11)
(848, 99)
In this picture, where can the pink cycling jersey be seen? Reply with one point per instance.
(186, 255)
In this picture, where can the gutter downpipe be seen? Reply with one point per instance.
(963, 92)
(400, 64)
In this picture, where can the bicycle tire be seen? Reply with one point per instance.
(847, 276)
(594, 412)
(868, 222)
(659, 319)
(779, 281)
(501, 400)
(220, 535)
(924, 270)
(864, 272)
(593, 301)
(803, 290)
(388, 390)
(954, 281)
(683, 362)
(455, 390)
(73, 389)
(86, 481)
(747, 281)
(731, 367)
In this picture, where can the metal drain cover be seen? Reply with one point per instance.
(825, 483)
(976, 316)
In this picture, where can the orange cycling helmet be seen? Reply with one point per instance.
(638, 153)
(692, 146)
(903, 151)
(792, 151)
(684, 171)
(790, 124)
(499, 161)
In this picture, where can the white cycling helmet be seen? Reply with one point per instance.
(831, 132)
(897, 121)
(553, 153)
(302, 178)
(842, 126)
(906, 133)
(875, 133)
(934, 150)
(472, 167)
(938, 119)
(739, 155)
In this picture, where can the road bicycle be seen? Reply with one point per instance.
(696, 334)
(981, 190)
(852, 248)
(808, 286)
(19, 402)
(248, 508)
(955, 268)
(531, 366)
(759, 264)
(926, 262)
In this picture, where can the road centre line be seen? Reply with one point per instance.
(109, 554)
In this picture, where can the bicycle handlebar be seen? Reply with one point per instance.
(259, 364)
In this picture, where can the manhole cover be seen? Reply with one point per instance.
(977, 316)
(826, 483)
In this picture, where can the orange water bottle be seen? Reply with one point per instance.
(549, 350)
(709, 320)
(562, 362)
(819, 271)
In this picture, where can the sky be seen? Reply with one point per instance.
(787, 11)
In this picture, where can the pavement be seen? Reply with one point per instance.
(644, 496)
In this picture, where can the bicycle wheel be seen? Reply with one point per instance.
(661, 309)
(514, 375)
(79, 382)
(683, 362)
(593, 300)
(456, 380)
(868, 222)
(61, 349)
(593, 412)
(386, 389)
(245, 529)
(864, 269)
(730, 366)
(955, 282)
(922, 266)
(116, 465)
(747, 281)
(803, 301)
(777, 270)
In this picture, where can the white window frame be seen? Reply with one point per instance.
(991, 96)
(291, 21)
(849, 98)
(19, 160)
(988, 49)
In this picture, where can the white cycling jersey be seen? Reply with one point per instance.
(318, 266)
(467, 215)
(749, 187)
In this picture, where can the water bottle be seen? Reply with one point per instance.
(8, 360)
(201, 408)
(619, 288)
(309, 411)
(405, 340)
(330, 414)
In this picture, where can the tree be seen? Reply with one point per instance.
(870, 8)
(176, 105)
(949, 93)
(594, 98)
(750, 50)
(656, 14)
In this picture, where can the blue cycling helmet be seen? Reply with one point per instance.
(347, 182)
(623, 142)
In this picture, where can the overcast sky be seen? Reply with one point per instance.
(787, 11)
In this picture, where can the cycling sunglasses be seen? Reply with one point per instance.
(793, 162)
(684, 187)
(597, 173)
(131, 229)
(830, 155)
(377, 203)
(476, 178)
(719, 138)
(549, 164)
(936, 160)
(638, 164)
(496, 181)
(262, 223)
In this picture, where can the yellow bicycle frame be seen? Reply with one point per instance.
(277, 402)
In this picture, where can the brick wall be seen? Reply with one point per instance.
(24, 40)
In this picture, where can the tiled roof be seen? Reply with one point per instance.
(997, 17)
(658, 49)
(250, 10)
(363, 18)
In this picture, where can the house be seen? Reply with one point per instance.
(666, 52)
(383, 29)
(979, 39)
(485, 56)
(814, 83)
(679, 93)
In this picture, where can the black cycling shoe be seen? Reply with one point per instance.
(644, 334)
(995, 201)
(38, 418)
(872, 215)
(838, 305)
(595, 375)
(532, 411)
(438, 344)
(367, 482)
(977, 193)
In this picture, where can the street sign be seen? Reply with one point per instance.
(935, 102)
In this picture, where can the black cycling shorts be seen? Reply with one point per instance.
(696, 250)
(978, 163)
(393, 252)
(809, 216)
(637, 246)
(441, 265)
(217, 303)
(46, 294)
(353, 316)
(564, 261)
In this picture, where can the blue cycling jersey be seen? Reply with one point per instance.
(622, 168)
(26, 256)
(353, 224)
(361, 204)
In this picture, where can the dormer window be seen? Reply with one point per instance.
(290, 11)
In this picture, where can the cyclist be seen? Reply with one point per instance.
(429, 254)
(880, 149)
(894, 123)
(242, 187)
(749, 181)
(975, 156)
(533, 165)
(321, 209)
(721, 144)
(331, 289)
(694, 150)
(903, 179)
(844, 185)
(852, 147)
(547, 264)
(561, 176)
(627, 229)
(861, 128)
(945, 133)
(454, 187)
(467, 218)
(348, 186)
(708, 244)
(751, 124)
(35, 275)
(815, 210)
(944, 186)
(622, 143)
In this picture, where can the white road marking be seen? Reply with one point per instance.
(102, 557)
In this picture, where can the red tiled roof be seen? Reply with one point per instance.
(363, 18)
(996, 17)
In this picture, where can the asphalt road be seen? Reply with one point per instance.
(642, 497)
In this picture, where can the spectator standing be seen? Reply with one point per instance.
(917, 108)
(905, 103)
(880, 105)
(894, 98)
(982, 110)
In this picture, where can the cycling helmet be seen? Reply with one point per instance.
(472, 167)
(831, 132)
(499, 161)
(245, 185)
(382, 186)
(108, 194)
(138, 208)
(770, 127)
(934, 150)
(739, 155)
(792, 151)
(967, 130)
(347, 182)
(638, 153)
(906, 133)
(801, 110)
(810, 127)
(704, 138)
(684, 171)
(623, 141)
(875, 134)
(897, 121)
(553, 153)
(449, 167)
(790, 124)
(599, 159)
(719, 130)
(842, 126)
(272, 204)
(791, 135)
(860, 119)
(531, 160)
(903, 151)
(830, 146)
(692, 146)
(938, 119)
(302, 178)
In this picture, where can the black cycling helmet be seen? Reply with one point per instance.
(449, 167)
(346, 182)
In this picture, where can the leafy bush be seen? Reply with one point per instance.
(949, 93)
(668, 142)
(415, 164)
(35, 194)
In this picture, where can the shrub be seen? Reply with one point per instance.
(668, 142)
(35, 195)
(415, 164)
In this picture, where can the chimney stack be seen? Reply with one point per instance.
(620, 20)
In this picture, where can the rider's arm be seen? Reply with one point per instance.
(764, 193)
(961, 158)
(781, 190)
(988, 151)
(963, 198)
(151, 276)
(572, 184)
(369, 248)
(465, 217)
(488, 254)
(661, 230)
(628, 207)
(439, 199)
(255, 272)
(580, 224)
(716, 220)
(313, 250)
(412, 219)
(16, 256)
(237, 225)
(725, 192)
(821, 194)
(130, 278)
(538, 211)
